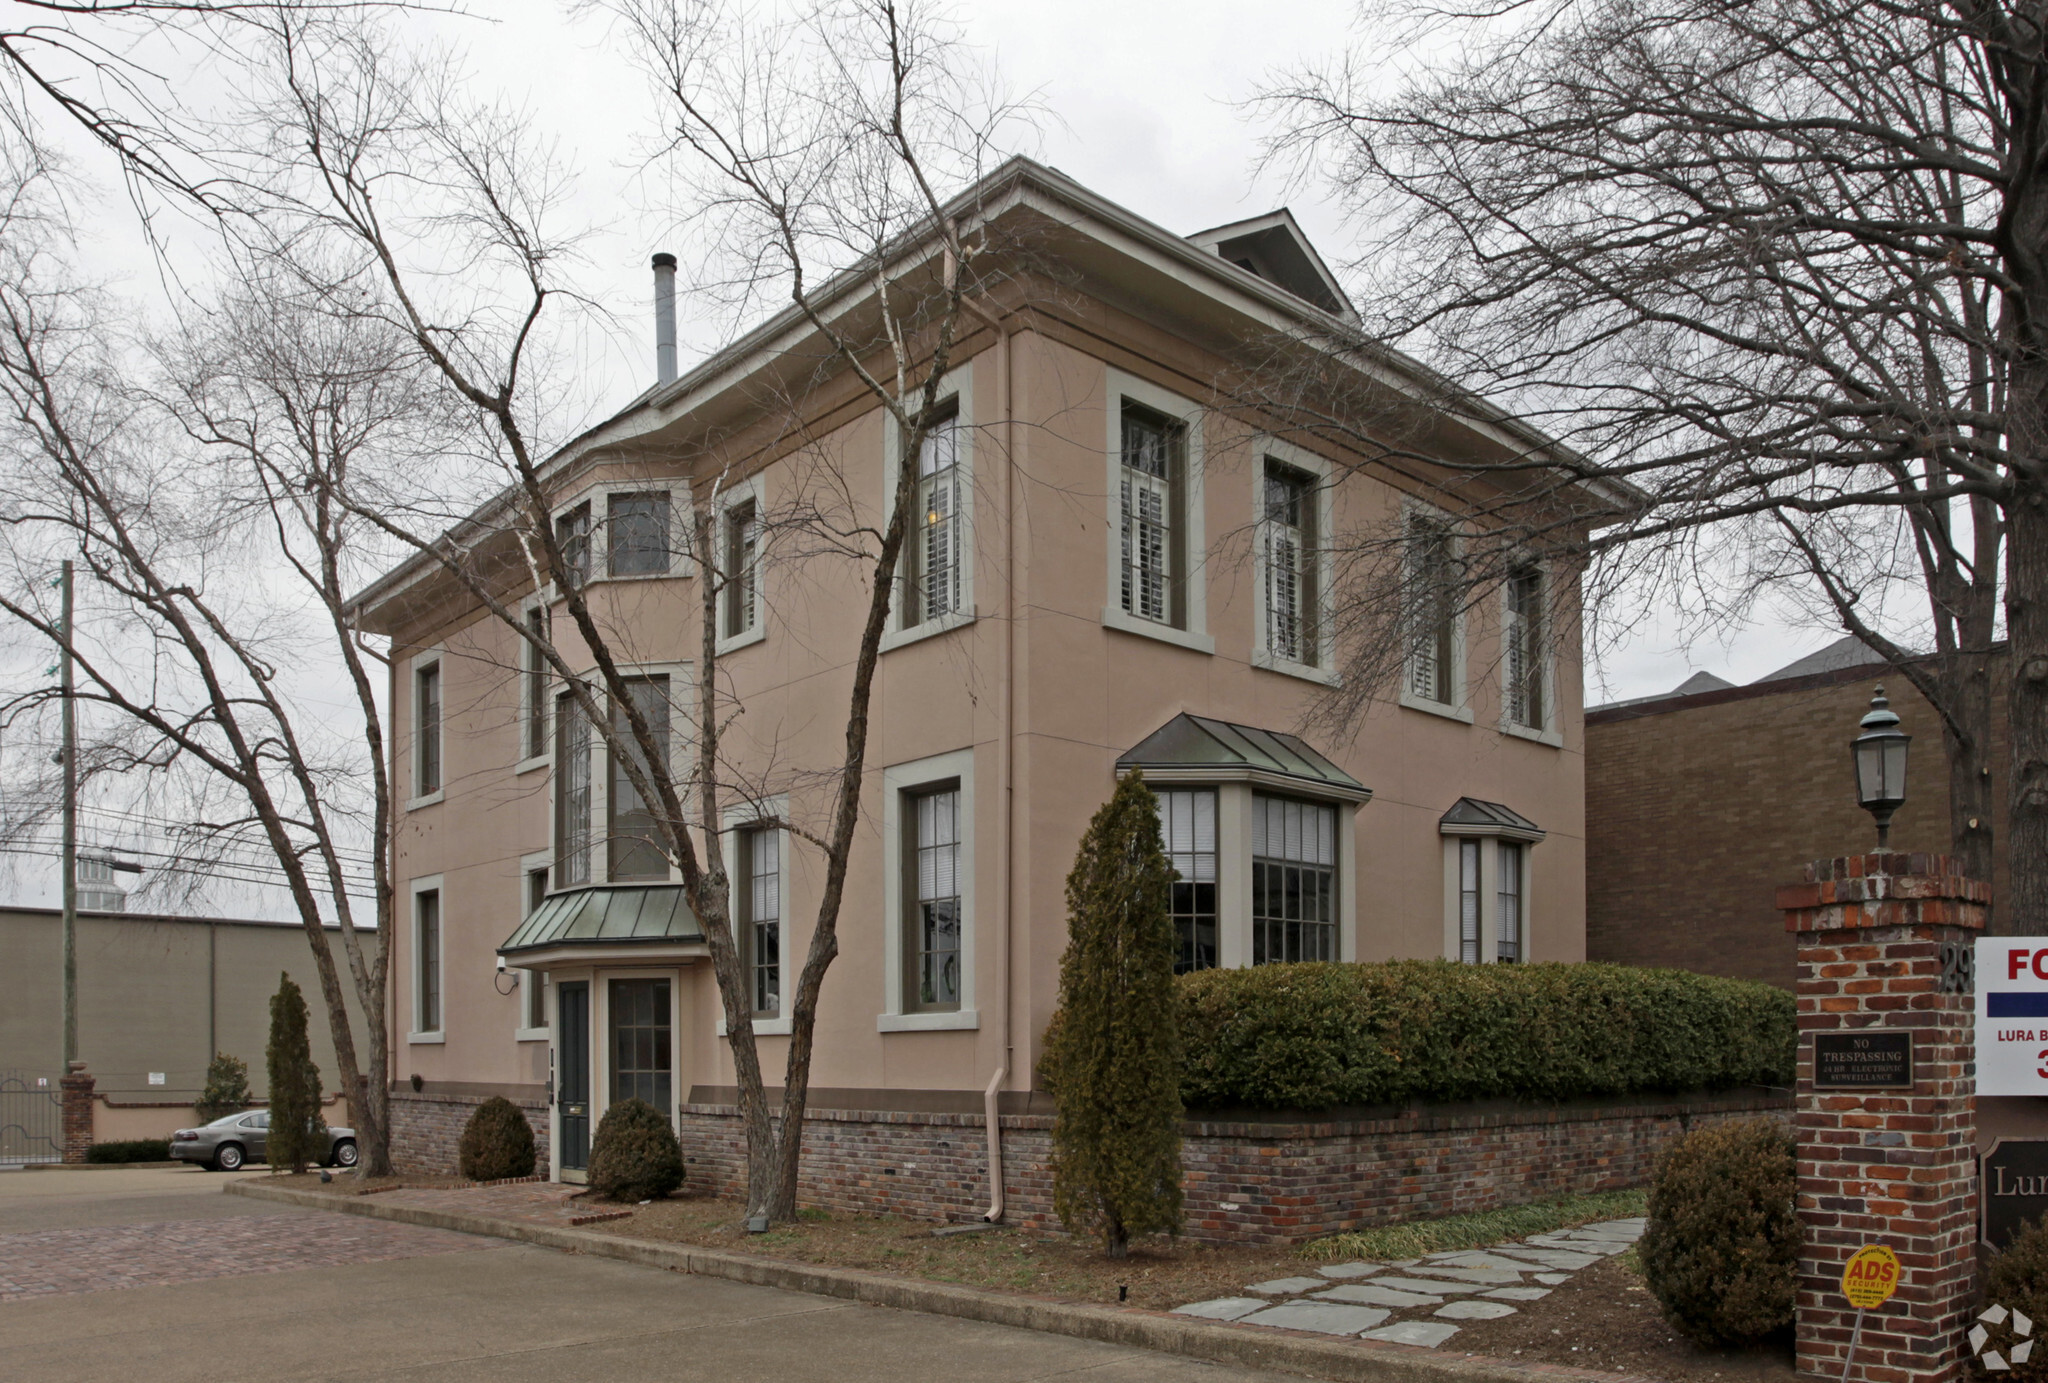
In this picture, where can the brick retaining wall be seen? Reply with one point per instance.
(1270, 1183)
(426, 1129)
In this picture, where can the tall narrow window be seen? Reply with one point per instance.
(535, 732)
(742, 555)
(1289, 562)
(933, 890)
(932, 590)
(1431, 599)
(1150, 516)
(1523, 641)
(1508, 925)
(572, 535)
(428, 705)
(636, 846)
(427, 954)
(760, 920)
(1468, 901)
(636, 534)
(1187, 824)
(536, 994)
(643, 1044)
(1294, 880)
(572, 793)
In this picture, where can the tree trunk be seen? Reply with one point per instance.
(1971, 792)
(2026, 623)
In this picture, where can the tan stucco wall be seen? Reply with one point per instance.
(149, 991)
(1083, 694)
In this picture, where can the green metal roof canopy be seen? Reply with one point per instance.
(1191, 747)
(606, 916)
(1469, 816)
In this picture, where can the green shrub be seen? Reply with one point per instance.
(635, 1156)
(227, 1088)
(298, 1135)
(1313, 1036)
(1112, 1058)
(1721, 1253)
(497, 1142)
(2017, 1279)
(131, 1150)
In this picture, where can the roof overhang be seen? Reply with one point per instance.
(1469, 816)
(1198, 749)
(636, 921)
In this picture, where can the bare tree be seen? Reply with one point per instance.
(1776, 268)
(820, 155)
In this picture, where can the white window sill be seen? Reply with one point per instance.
(765, 1027)
(956, 1021)
(532, 765)
(930, 629)
(530, 1034)
(432, 799)
(733, 643)
(426, 1039)
(1524, 732)
(1113, 617)
(679, 571)
(1462, 714)
(1289, 668)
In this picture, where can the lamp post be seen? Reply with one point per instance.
(1880, 756)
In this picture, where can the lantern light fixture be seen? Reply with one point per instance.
(1880, 758)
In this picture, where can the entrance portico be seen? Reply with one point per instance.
(614, 960)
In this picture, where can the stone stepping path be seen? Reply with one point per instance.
(1433, 1291)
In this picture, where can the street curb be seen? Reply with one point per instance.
(1353, 1361)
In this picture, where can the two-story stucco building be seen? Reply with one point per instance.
(1112, 572)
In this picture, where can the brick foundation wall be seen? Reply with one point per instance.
(1266, 1183)
(426, 1129)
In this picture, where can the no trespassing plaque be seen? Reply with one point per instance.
(1866, 1059)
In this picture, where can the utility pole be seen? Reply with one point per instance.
(70, 838)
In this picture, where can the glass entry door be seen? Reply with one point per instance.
(643, 1041)
(572, 1082)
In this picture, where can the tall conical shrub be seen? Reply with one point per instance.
(1112, 1056)
(298, 1134)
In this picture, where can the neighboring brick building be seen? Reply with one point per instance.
(1700, 804)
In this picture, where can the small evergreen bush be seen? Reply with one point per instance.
(497, 1142)
(298, 1135)
(2017, 1279)
(635, 1156)
(227, 1088)
(1721, 1253)
(1112, 1053)
(131, 1150)
(1319, 1035)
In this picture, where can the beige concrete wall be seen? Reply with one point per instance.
(1083, 694)
(114, 1121)
(150, 990)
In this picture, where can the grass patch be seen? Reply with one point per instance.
(1476, 1230)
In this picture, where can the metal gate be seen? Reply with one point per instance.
(31, 1118)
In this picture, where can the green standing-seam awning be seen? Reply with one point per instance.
(606, 916)
(1192, 744)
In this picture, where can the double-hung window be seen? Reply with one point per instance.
(1294, 880)
(636, 847)
(1150, 515)
(637, 534)
(572, 536)
(931, 893)
(427, 960)
(1468, 901)
(1487, 878)
(759, 897)
(1522, 646)
(1187, 825)
(1287, 562)
(1508, 914)
(533, 735)
(572, 793)
(533, 1003)
(427, 729)
(933, 589)
(1431, 598)
(741, 597)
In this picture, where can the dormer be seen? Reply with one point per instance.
(1273, 248)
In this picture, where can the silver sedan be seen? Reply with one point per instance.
(229, 1141)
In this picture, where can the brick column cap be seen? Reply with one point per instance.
(1885, 889)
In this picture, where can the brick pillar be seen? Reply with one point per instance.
(78, 1085)
(1887, 1166)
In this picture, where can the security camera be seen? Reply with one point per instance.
(501, 963)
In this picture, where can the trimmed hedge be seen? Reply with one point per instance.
(131, 1150)
(1319, 1035)
(1721, 1252)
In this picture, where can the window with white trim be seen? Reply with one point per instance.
(533, 733)
(1187, 827)
(1468, 902)
(740, 604)
(426, 988)
(1294, 880)
(931, 925)
(1151, 527)
(637, 537)
(636, 846)
(1431, 614)
(1508, 901)
(1523, 648)
(758, 901)
(533, 994)
(573, 537)
(932, 585)
(427, 729)
(1287, 540)
(572, 793)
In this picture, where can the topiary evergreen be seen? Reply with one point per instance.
(227, 1088)
(2017, 1279)
(298, 1134)
(1112, 1055)
(497, 1142)
(1721, 1252)
(635, 1156)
